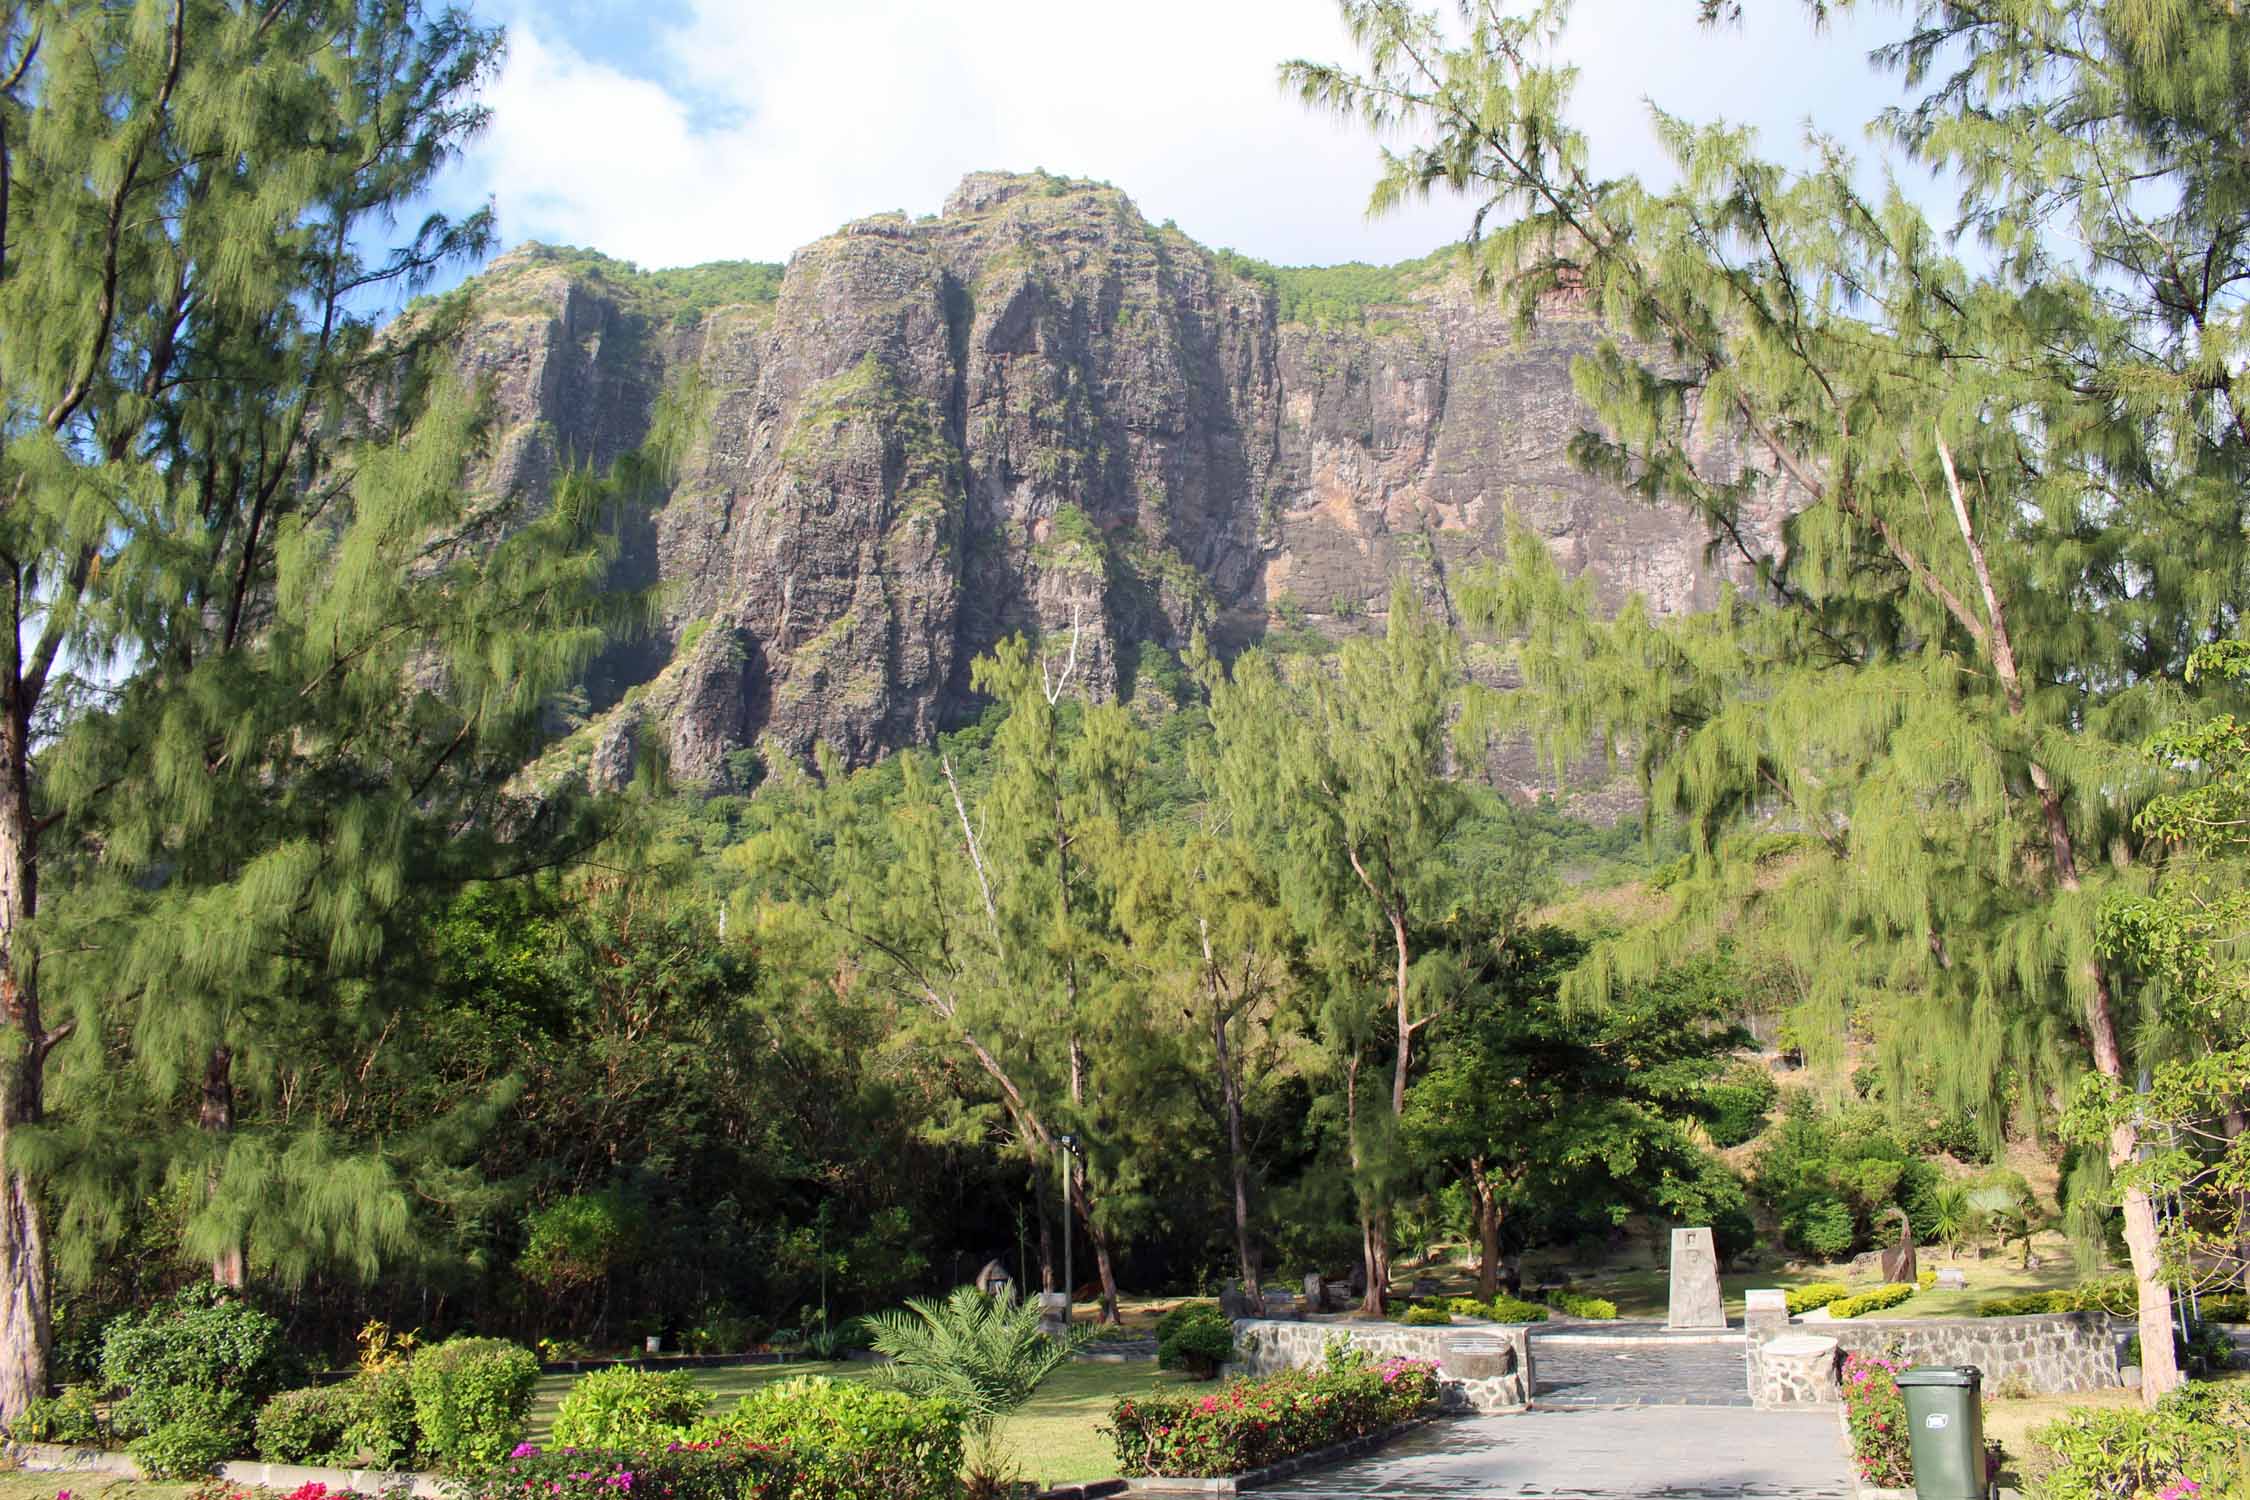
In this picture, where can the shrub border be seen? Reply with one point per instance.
(1165, 1484)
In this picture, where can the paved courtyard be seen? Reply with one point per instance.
(1621, 1453)
(1638, 1365)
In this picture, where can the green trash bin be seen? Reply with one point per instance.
(1945, 1423)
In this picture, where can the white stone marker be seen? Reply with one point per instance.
(1696, 1302)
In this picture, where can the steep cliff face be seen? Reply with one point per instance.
(1034, 411)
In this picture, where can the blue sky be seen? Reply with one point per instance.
(671, 132)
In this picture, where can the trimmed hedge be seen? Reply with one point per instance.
(2112, 1294)
(1505, 1309)
(1251, 1424)
(625, 1408)
(1594, 1309)
(1817, 1294)
(1426, 1317)
(1889, 1295)
(472, 1399)
(848, 1440)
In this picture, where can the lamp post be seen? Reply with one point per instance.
(1068, 1144)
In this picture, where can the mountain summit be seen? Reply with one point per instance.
(1035, 411)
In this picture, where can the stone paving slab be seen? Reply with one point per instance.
(1634, 1453)
(1620, 1369)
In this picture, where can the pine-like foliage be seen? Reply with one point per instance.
(1985, 508)
(275, 662)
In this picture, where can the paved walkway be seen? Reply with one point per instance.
(1630, 1453)
(1637, 1365)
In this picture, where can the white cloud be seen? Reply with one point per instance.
(776, 122)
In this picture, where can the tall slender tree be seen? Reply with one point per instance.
(1983, 513)
(261, 631)
(1346, 784)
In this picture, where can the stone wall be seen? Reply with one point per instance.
(1482, 1367)
(2042, 1355)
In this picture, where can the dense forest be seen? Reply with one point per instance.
(315, 983)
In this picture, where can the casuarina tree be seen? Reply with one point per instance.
(1982, 506)
(274, 658)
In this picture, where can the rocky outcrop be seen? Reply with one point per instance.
(1034, 411)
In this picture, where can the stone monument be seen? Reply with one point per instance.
(1235, 1303)
(1695, 1282)
(1054, 1314)
(1899, 1263)
(1316, 1293)
(994, 1280)
(1953, 1279)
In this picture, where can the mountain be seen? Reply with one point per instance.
(1035, 411)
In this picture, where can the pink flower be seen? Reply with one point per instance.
(525, 1450)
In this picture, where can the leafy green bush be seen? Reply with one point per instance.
(1426, 1316)
(71, 1417)
(626, 1408)
(1506, 1309)
(1820, 1225)
(1195, 1337)
(577, 1241)
(385, 1429)
(1735, 1108)
(1805, 1298)
(1250, 1424)
(200, 1433)
(1579, 1305)
(195, 1369)
(1891, 1294)
(722, 1469)
(2231, 1309)
(310, 1425)
(2024, 1305)
(846, 1438)
(2196, 1442)
(472, 1399)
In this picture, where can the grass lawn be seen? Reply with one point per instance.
(1053, 1439)
(16, 1485)
(1643, 1294)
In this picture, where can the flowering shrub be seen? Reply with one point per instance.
(2194, 1446)
(718, 1469)
(1876, 1414)
(1250, 1424)
(1804, 1299)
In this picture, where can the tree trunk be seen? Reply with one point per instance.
(1405, 1060)
(1046, 1244)
(2160, 1366)
(1370, 1254)
(2238, 1121)
(26, 1306)
(1488, 1231)
(1238, 1165)
(229, 1266)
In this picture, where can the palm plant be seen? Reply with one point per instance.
(984, 1354)
(1952, 1217)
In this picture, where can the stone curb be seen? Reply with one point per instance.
(60, 1458)
(1232, 1484)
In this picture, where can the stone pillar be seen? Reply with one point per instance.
(1766, 1312)
(1696, 1302)
(1054, 1314)
(1316, 1293)
(1797, 1370)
